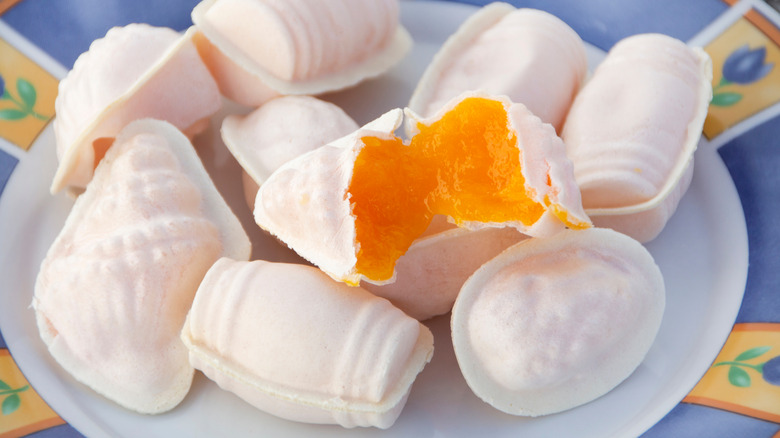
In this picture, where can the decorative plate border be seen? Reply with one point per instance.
(739, 395)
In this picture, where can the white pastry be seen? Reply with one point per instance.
(633, 129)
(278, 131)
(294, 343)
(134, 72)
(258, 49)
(553, 323)
(431, 273)
(531, 56)
(115, 286)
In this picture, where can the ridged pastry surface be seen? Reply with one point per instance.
(115, 286)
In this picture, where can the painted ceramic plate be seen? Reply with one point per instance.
(712, 371)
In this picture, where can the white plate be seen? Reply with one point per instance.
(702, 253)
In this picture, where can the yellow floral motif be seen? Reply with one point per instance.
(744, 376)
(746, 71)
(25, 100)
(23, 411)
(27, 94)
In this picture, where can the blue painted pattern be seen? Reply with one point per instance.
(65, 29)
(605, 22)
(693, 421)
(7, 164)
(62, 431)
(753, 159)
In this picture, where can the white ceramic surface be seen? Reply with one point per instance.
(702, 254)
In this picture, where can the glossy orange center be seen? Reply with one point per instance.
(465, 165)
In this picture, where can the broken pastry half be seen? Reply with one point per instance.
(553, 323)
(353, 207)
(134, 72)
(531, 56)
(292, 342)
(258, 49)
(278, 131)
(115, 287)
(434, 268)
(633, 129)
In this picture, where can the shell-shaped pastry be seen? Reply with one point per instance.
(354, 206)
(529, 55)
(551, 324)
(256, 48)
(278, 131)
(116, 285)
(633, 129)
(294, 343)
(431, 273)
(134, 72)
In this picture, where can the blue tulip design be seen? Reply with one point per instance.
(2, 86)
(771, 371)
(743, 66)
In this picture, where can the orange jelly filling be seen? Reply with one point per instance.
(465, 165)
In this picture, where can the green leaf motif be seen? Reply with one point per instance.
(739, 377)
(11, 404)
(4, 385)
(723, 82)
(725, 99)
(12, 114)
(27, 92)
(753, 353)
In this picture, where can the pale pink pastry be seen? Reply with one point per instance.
(633, 129)
(306, 203)
(259, 48)
(294, 343)
(117, 283)
(551, 324)
(303, 202)
(530, 56)
(278, 131)
(431, 273)
(134, 72)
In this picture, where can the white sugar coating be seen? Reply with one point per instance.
(300, 39)
(115, 286)
(548, 172)
(529, 55)
(101, 60)
(134, 72)
(561, 337)
(632, 131)
(554, 323)
(292, 342)
(298, 46)
(280, 130)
